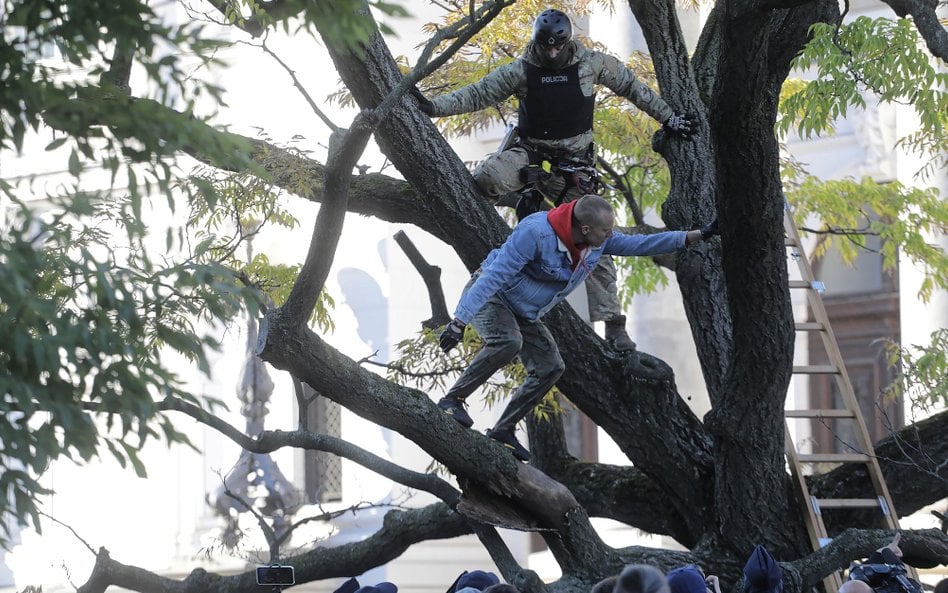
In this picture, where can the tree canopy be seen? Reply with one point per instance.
(86, 310)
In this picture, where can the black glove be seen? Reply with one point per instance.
(529, 202)
(711, 229)
(426, 106)
(452, 334)
(680, 124)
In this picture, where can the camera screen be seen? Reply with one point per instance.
(275, 575)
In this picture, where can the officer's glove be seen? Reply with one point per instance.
(529, 202)
(680, 124)
(426, 106)
(711, 229)
(452, 334)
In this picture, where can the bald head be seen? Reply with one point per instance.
(593, 209)
(855, 586)
(593, 220)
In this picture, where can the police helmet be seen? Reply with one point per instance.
(552, 28)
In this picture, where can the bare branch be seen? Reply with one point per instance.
(432, 277)
(299, 87)
(270, 441)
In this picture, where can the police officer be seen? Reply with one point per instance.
(554, 82)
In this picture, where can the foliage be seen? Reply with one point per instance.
(229, 215)
(884, 57)
(923, 371)
(82, 321)
(85, 312)
(902, 217)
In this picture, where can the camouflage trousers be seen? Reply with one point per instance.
(500, 175)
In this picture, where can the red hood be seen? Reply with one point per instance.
(561, 219)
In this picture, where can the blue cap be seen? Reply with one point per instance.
(686, 579)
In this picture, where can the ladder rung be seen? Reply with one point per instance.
(834, 458)
(816, 369)
(848, 503)
(823, 413)
(804, 326)
(816, 285)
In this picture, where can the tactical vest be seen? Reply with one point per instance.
(554, 107)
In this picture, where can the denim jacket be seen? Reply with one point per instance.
(531, 271)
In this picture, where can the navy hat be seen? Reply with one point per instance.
(687, 579)
(761, 573)
(476, 579)
(350, 586)
(383, 587)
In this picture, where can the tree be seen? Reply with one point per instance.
(735, 294)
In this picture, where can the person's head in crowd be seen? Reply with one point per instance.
(501, 588)
(762, 574)
(641, 578)
(350, 586)
(855, 586)
(474, 579)
(606, 585)
(383, 587)
(691, 579)
(941, 586)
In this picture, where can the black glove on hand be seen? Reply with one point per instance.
(711, 229)
(426, 106)
(452, 334)
(680, 124)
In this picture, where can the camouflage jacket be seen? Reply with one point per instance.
(594, 68)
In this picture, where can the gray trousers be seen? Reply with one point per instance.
(505, 336)
(500, 174)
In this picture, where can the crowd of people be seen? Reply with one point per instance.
(761, 574)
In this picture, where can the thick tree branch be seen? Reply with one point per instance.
(621, 493)
(928, 545)
(400, 530)
(345, 149)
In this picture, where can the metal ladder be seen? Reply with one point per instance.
(860, 444)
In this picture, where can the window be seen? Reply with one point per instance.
(322, 471)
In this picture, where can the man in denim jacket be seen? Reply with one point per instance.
(544, 259)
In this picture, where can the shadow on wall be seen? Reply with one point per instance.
(364, 297)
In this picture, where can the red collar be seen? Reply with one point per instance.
(561, 219)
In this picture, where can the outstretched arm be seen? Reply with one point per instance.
(623, 82)
(490, 90)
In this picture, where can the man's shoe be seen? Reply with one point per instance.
(507, 438)
(617, 336)
(455, 408)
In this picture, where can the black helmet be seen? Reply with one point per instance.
(551, 28)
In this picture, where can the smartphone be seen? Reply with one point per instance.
(276, 575)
